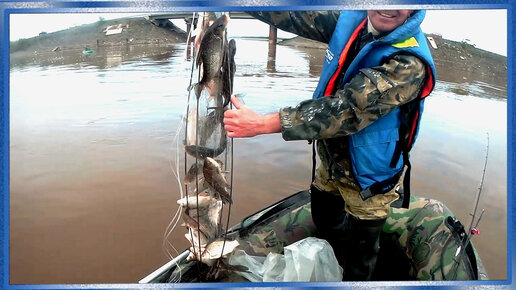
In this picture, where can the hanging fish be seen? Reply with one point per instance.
(213, 175)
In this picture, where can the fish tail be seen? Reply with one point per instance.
(225, 197)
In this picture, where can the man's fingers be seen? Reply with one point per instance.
(230, 117)
(236, 102)
(229, 128)
(229, 114)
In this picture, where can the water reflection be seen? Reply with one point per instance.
(477, 89)
(472, 80)
(104, 57)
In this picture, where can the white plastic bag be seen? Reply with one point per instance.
(274, 268)
(310, 259)
(254, 265)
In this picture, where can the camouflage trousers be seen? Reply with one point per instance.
(373, 208)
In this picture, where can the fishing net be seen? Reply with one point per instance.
(208, 158)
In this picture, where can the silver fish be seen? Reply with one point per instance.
(202, 200)
(212, 171)
(213, 251)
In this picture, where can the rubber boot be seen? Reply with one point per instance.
(355, 242)
(327, 212)
(360, 244)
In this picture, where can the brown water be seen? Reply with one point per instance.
(93, 144)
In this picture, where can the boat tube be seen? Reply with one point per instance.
(424, 242)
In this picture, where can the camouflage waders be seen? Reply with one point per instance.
(351, 226)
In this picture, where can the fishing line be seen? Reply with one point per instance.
(175, 172)
(197, 180)
(192, 238)
(230, 198)
(177, 216)
(173, 223)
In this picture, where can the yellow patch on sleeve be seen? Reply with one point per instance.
(410, 42)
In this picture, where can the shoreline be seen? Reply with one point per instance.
(457, 62)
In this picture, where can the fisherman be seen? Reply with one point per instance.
(364, 116)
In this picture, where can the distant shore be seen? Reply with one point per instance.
(455, 61)
(458, 61)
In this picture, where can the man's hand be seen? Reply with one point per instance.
(244, 122)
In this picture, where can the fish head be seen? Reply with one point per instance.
(218, 28)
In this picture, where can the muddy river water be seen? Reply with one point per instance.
(93, 141)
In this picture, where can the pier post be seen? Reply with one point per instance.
(271, 59)
(273, 37)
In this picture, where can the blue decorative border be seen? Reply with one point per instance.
(26, 6)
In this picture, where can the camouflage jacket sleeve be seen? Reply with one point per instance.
(371, 94)
(315, 25)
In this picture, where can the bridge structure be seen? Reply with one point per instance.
(162, 20)
(189, 15)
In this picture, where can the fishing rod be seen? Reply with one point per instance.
(472, 230)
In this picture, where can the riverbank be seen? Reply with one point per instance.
(136, 30)
(101, 35)
(457, 62)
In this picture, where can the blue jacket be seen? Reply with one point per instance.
(372, 148)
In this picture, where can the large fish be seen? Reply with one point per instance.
(211, 55)
(212, 171)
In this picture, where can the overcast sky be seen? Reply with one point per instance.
(487, 29)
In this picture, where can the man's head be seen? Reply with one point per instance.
(387, 20)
